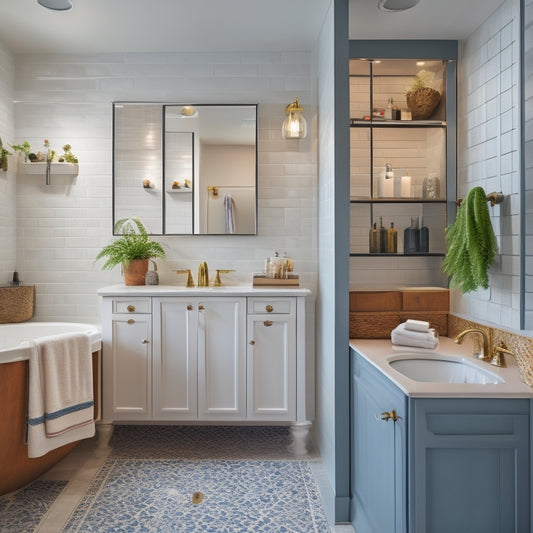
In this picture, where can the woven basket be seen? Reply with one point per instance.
(16, 303)
(422, 102)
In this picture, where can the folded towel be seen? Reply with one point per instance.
(417, 325)
(229, 211)
(401, 336)
(61, 403)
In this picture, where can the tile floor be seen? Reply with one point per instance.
(82, 465)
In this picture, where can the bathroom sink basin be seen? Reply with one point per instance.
(439, 369)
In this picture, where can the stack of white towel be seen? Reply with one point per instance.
(415, 333)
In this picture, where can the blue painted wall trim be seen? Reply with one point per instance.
(401, 49)
(342, 262)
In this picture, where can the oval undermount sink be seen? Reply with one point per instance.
(442, 370)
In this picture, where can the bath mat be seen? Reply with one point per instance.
(183, 496)
(202, 442)
(22, 510)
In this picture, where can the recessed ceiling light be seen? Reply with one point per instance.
(56, 5)
(397, 5)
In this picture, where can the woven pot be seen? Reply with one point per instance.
(136, 272)
(422, 102)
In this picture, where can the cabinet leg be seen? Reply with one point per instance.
(103, 434)
(299, 438)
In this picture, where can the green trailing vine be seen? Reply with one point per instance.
(471, 244)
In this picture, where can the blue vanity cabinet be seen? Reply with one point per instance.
(379, 452)
(449, 465)
(469, 465)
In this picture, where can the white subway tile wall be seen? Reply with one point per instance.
(67, 99)
(8, 247)
(489, 155)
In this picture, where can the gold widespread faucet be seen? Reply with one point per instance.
(484, 353)
(218, 281)
(203, 275)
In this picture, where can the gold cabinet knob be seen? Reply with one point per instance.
(201, 307)
(189, 307)
(130, 308)
(145, 341)
(251, 343)
(269, 308)
(131, 321)
(267, 323)
(390, 415)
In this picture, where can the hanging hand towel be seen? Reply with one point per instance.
(471, 244)
(61, 403)
(229, 208)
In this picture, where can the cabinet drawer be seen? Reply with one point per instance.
(274, 306)
(132, 305)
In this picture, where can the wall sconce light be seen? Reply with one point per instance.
(294, 126)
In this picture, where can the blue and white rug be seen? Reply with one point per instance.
(22, 510)
(156, 495)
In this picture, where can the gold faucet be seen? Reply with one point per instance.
(190, 281)
(484, 352)
(203, 275)
(498, 358)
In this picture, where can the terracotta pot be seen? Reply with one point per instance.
(136, 271)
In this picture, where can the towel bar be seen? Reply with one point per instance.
(493, 197)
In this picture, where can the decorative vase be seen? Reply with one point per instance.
(422, 102)
(136, 271)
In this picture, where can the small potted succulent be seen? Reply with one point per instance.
(132, 251)
(422, 99)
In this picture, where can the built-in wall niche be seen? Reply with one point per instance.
(186, 169)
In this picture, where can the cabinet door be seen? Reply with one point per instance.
(127, 368)
(175, 359)
(271, 367)
(221, 358)
(378, 452)
(469, 466)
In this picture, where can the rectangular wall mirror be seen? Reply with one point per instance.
(186, 169)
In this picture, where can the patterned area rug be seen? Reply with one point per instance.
(21, 511)
(184, 496)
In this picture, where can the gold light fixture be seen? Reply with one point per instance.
(294, 126)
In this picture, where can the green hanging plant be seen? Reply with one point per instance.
(471, 244)
(3, 157)
(24, 149)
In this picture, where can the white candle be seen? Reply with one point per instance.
(405, 187)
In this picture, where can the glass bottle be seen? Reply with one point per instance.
(392, 239)
(373, 239)
(411, 239)
(390, 111)
(423, 238)
(382, 236)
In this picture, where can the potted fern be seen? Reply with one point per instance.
(132, 251)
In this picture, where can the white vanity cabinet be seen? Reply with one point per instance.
(271, 359)
(199, 358)
(204, 354)
(127, 367)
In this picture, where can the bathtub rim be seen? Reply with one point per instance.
(21, 352)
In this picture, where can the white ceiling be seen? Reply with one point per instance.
(99, 26)
(430, 19)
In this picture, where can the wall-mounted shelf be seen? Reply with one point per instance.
(66, 169)
(179, 191)
(361, 123)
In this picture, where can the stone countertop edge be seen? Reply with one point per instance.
(176, 290)
(377, 352)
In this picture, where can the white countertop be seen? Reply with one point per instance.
(177, 290)
(379, 353)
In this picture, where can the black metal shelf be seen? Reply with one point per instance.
(361, 123)
(395, 201)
